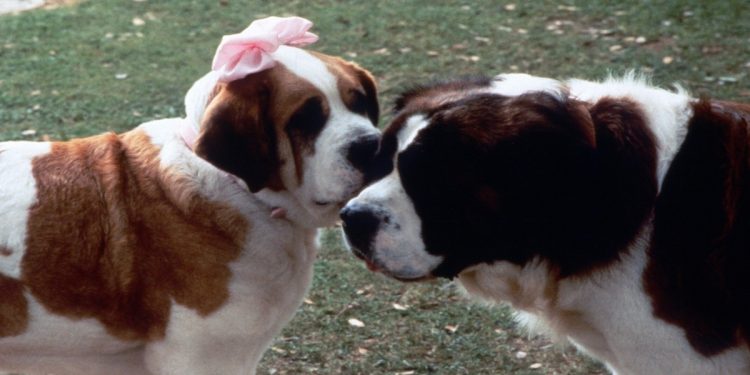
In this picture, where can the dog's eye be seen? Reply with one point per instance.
(309, 119)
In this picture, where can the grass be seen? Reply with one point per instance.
(91, 67)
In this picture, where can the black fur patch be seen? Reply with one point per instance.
(512, 178)
(698, 273)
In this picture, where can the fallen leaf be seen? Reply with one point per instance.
(308, 301)
(278, 350)
(510, 7)
(640, 39)
(399, 307)
(382, 51)
(362, 351)
(356, 323)
(28, 132)
(410, 372)
(137, 21)
(521, 354)
(121, 75)
(615, 48)
(535, 365)
(667, 60)
(451, 329)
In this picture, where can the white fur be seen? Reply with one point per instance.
(608, 314)
(400, 251)
(269, 278)
(515, 84)
(17, 196)
(196, 98)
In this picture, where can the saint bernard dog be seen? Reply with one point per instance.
(615, 214)
(150, 252)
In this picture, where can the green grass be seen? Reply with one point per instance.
(58, 77)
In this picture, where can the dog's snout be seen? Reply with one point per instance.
(362, 151)
(360, 225)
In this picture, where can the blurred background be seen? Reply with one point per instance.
(72, 68)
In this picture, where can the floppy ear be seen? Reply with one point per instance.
(371, 92)
(238, 136)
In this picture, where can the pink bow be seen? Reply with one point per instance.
(250, 51)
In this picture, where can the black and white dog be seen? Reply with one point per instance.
(615, 213)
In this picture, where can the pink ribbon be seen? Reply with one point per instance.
(250, 51)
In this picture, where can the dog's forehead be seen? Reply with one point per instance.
(306, 66)
(322, 73)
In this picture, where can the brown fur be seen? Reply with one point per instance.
(244, 123)
(14, 314)
(356, 86)
(115, 237)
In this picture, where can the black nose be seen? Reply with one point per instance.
(362, 151)
(360, 226)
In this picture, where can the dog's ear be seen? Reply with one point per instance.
(238, 135)
(371, 94)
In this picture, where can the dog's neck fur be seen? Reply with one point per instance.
(606, 314)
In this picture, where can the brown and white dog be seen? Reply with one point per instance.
(135, 254)
(614, 213)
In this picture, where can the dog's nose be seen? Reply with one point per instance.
(360, 225)
(362, 151)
